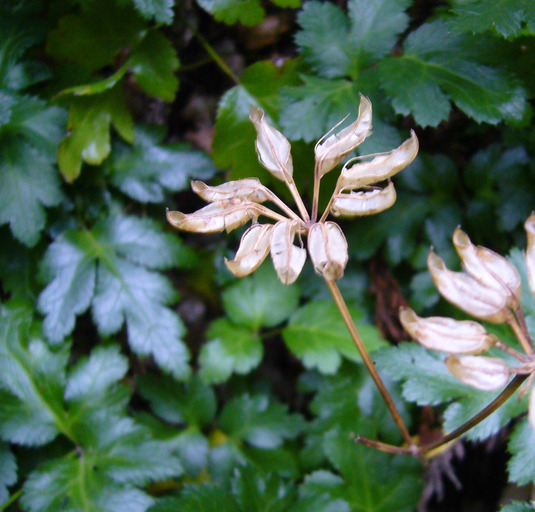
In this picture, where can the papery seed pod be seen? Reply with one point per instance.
(272, 147)
(531, 408)
(331, 149)
(446, 334)
(248, 189)
(288, 259)
(380, 168)
(229, 214)
(481, 372)
(488, 267)
(327, 247)
(358, 204)
(529, 226)
(254, 247)
(467, 293)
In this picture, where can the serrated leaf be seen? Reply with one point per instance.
(507, 17)
(435, 69)
(8, 471)
(204, 498)
(259, 421)
(90, 120)
(234, 136)
(316, 333)
(260, 300)
(116, 251)
(247, 12)
(230, 349)
(193, 403)
(159, 10)
(31, 382)
(149, 168)
(521, 465)
(153, 63)
(370, 479)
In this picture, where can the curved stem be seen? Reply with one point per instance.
(342, 307)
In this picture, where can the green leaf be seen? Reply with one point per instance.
(349, 44)
(29, 183)
(193, 403)
(233, 144)
(371, 480)
(204, 498)
(521, 465)
(517, 506)
(259, 421)
(507, 17)
(31, 382)
(8, 471)
(159, 10)
(260, 300)
(107, 268)
(435, 68)
(153, 63)
(230, 349)
(316, 333)
(150, 168)
(247, 12)
(90, 120)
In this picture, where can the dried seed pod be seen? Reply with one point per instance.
(229, 214)
(446, 334)
(467, 293)
(380, 168)
(331, 149)
(248, 189)
(272, 147)
(529, 226)
(488, 267)
(288, 259)
(481, 372)
(327, 247)
(254, 247)
(358, 204)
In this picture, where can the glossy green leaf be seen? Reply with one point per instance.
(259, 421)
(159, 10)
(8, 471)
(435, 69)
(153, 63)
(317, 335)
(90, 120)
(149, 168)
(233, 145)
(507, 17)
(230, 349)
(260, 300)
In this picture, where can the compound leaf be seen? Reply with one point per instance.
(203, 498)
(8, 471)
(521, 465)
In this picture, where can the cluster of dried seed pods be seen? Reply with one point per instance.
(359, 191)
(489, 289)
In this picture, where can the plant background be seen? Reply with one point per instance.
(135, 372)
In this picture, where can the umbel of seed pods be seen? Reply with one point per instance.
(363, 188)
(489, 289)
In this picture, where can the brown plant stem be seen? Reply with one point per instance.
(342, 307)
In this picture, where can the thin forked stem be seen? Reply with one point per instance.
(316, 194)
(521, 334)
(297, 198)
(342, 307)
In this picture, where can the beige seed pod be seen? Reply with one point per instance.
(380, 168)
(446, 334)
(327, 247)
(358, 204)
(467, 293)
(287, 258)
(331, 149)
(229, 214)
(272, 147)
(529, 226)
(254, 247)
(480, 372)
(488, 267)
(248, 189)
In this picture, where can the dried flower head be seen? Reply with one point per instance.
(358, 192)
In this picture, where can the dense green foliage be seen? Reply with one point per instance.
(136, 374)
